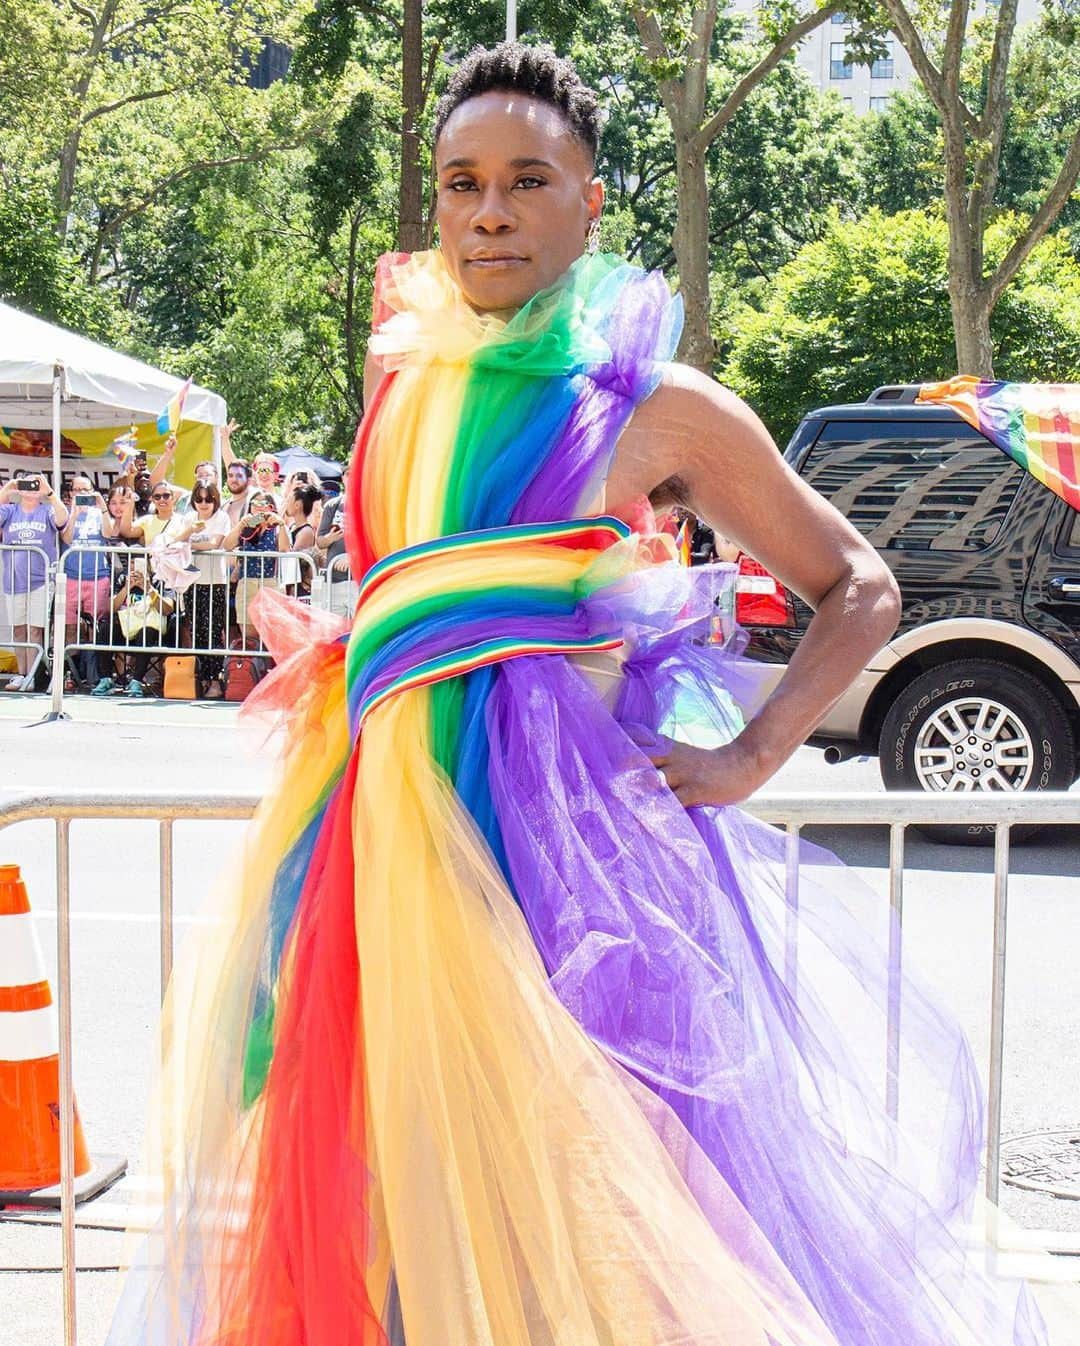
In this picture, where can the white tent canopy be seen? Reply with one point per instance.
(97, 386)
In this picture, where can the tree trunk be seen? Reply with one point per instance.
(968, 297)
(411, 216)
(692, 252)
(971, 330)
(65, 179)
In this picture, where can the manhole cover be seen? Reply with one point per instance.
(1043, 1161)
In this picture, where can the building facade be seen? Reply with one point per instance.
(863, 88)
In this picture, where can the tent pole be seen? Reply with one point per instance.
(56, 710)
(58, 375)
(217, 454)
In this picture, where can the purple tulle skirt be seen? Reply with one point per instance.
(667, 934)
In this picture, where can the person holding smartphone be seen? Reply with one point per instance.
(206, 527)
(31, 516)
(260, 530)
(85, 564)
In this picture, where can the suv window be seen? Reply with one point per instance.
(915, 485)
(1072, 536)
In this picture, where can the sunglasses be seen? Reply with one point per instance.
(202, 500)
(161, 495)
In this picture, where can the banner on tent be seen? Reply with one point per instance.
(87, 451)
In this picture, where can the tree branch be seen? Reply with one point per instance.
(106, 108)
(933, 81)
(954, 48)
(199, 166)
(429, 74)
(84, 12)
(656, 50)
(374, 11)
(153, 15)
(716, 123)
(1041, 221)
(995, 112)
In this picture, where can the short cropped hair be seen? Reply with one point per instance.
(513, 67)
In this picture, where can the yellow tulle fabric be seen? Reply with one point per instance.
(529, 1200)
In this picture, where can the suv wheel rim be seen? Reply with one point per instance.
(974, 744)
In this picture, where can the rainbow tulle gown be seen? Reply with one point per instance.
(494, 1044)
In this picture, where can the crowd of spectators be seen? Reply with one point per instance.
(151, 566)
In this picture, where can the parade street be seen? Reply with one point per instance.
(115, 952)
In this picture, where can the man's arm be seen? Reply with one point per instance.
(720, 461)
(227, 455)
(55, 504)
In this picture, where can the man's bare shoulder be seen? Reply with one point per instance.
(686, 396)
(676, 424)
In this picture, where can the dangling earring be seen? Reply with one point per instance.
(592, 235)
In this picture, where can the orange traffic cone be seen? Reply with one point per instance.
(29, 1065)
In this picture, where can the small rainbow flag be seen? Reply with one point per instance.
(124, 447)
(683, 539)
(1036, 424)
(171, 417)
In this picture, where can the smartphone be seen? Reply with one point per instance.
(83, 498)
(27, 484)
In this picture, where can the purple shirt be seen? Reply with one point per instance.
(26, 570)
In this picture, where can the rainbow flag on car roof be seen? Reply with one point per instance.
(171, 417)
(1037, 424)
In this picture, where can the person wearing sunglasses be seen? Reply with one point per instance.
(206, 526)
(163, 521)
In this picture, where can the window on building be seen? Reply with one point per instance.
(880, 104)
(838, 19)
(838, 67)
(883, 68)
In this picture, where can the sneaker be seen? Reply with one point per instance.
(135, 688)
(104, 687)
(14, 684)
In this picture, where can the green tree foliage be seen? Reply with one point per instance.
(786, 159)
(868, 305)
(903, 148)
(38, 273)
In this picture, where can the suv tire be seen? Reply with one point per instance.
(924, 744)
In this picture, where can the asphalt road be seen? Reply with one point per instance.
(948, 904)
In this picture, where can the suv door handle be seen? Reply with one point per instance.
(1065, 588)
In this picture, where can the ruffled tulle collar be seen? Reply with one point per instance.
(423, 318)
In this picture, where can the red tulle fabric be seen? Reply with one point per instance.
(305, 644)
(298, 1275)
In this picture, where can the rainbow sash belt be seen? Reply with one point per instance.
(411, 629)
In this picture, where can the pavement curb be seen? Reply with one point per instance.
(29, 708)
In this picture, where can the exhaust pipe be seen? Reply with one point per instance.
(836, 753)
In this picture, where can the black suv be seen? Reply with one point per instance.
(980, 687)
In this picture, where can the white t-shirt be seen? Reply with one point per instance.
(212, 569)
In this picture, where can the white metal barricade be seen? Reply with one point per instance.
(897, 812)
(24, 605)
(215, 607)
(340, 589)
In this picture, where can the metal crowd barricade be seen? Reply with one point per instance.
(896, 811)
(340, 589)
(169, 623)
(25, 600)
